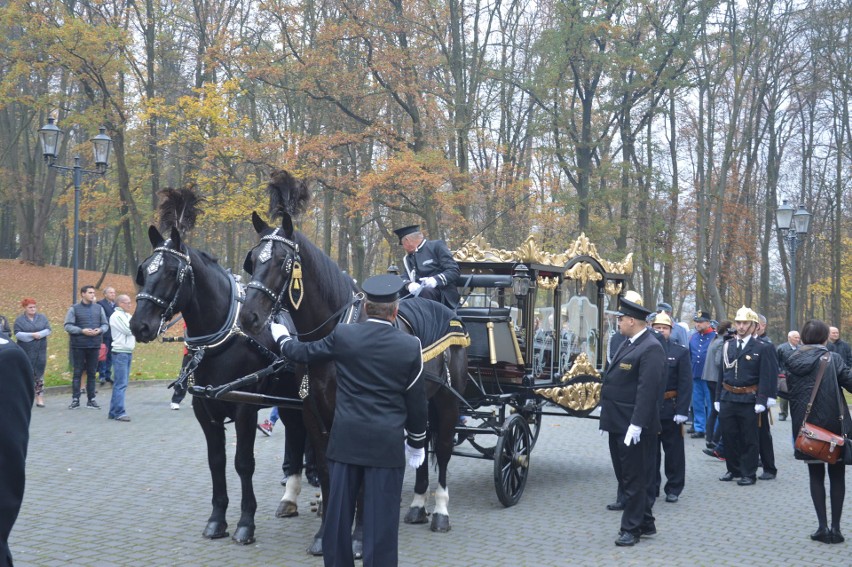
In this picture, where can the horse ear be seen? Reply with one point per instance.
(287, 224)
(259, 224)
(175, 236)
(154, 236)
(248, 266)
(140, 278)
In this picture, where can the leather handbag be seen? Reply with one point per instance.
(816, 441)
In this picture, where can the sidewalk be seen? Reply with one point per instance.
(101, 492)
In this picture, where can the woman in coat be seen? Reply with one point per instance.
(31, 331)
(802, 369)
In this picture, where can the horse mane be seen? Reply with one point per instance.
(286, 194)
(339, 287)
(179, 208)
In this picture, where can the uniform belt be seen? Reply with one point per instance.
(670, 394)
(740, 389)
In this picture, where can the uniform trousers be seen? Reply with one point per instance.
(635, 464)
(382, 494)
(739, 433)
(670, 442)
(767, 451)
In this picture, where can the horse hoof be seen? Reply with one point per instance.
(416, 515)
(287, 509)
(216, 530)
(440, 523)
(316, 547)
(357, 549)
(244, 535)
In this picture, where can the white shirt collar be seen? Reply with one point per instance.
(382, 321)
(637, 335)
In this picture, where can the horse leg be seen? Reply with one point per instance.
(246, 426)
(294, 449)
(417, 510)
(448, 415)
(214, 434)
(319, 441)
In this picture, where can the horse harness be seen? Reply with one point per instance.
(185, 268)
(292, 266)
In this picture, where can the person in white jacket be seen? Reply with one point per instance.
(123, 343)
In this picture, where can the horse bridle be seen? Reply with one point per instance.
(184, 269)
(293, 287)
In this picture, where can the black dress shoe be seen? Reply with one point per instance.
(836, 536)
(672, 497)
(615, 506)
(691, 430)
(727, 477)
(746, 481)
(626, 539)
(710, 445)
(767, 476)
(698, 435)
(822, 534)
(648, 530)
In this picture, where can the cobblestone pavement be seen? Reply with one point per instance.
(105, 493)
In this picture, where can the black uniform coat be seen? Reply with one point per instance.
(679, 379)
(633, 386)
(433, 259)
(16, 401)
(379, 391)
(757, 365)
(109, 308)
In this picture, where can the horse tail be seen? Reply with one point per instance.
(179, 208)
(286, 194)
(433, 431)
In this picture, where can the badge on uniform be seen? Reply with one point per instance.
(625, 366)
(748, 357)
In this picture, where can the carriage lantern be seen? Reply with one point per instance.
(520, 281)
(392, 269)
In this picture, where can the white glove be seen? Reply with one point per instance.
(680, 419)
(770, 402)
(759, 408)
(278, 330)
(413, 287)
(633, 434)
(717, 406)
(415, 457)
(429, 282)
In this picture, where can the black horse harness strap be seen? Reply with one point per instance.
(153, 267)
(229, 329)
(292, 266)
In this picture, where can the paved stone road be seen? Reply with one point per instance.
(106, 493)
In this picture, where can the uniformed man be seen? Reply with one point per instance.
(430, 269)
(702, 400)
(380, 396)
(749, 379)
(678, 394)
(784, 351)
(766, 447)
(15, 408)
(631, 396)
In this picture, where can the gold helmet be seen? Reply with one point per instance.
(662, 318)
(746, 314)
(633, 297)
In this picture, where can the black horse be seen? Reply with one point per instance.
(291, 273)
(178, 279)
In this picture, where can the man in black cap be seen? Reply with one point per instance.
(15, 409)
(631, 396)
(702, 399)
(380, 396)
(430, 269)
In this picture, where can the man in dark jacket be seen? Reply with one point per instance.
(380, 396)
(86, 324)
(838, 345)
(631, 396)
(678, 394)
(749, 379)
(15, 408)
(105, 366)
(430, 269)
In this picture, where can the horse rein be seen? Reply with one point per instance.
(292, 266)
(184, 269)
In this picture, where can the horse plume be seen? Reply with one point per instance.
(179, 208)
(286, 195)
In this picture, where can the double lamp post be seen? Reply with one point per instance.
(793, 227)
(51, 138)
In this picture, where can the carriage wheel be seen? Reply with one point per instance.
(512, 460)
(482, 442)
(532, 413)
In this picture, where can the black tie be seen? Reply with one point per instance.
(739, 347)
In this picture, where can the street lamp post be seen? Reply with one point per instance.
(51, 136)
(793, 227)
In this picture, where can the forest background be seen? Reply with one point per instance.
(671, 129)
